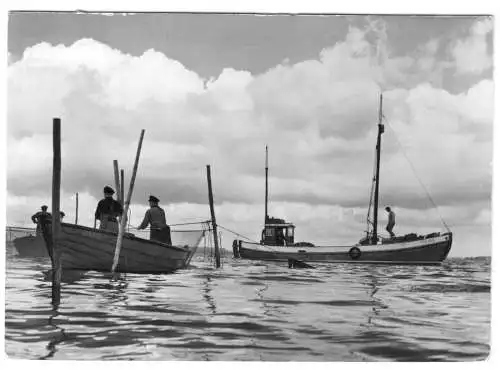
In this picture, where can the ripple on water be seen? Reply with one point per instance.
(253, 311)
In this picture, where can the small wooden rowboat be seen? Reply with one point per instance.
(31, 246)
(85, 248)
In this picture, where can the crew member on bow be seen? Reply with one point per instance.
(39, 217)
(108, 210)
(391, 221)
(155, 217)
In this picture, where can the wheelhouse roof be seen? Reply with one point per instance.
(280, 225)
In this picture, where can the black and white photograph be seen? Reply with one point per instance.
(245, 186)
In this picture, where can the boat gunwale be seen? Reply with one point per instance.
(284, 256)
(130, 236)
(311, 249)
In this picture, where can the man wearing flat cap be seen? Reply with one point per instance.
(155, 216)
(108, 210)
(39, 217)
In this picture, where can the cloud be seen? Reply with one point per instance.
(319, 118)
(471, 54)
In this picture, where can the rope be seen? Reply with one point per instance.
(203, 223)
(191, 223)
(237, 234)
(416, 175)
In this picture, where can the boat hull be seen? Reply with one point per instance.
(30, 246)
(84, 248)
(419, 252)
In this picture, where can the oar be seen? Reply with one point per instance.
(123, 220)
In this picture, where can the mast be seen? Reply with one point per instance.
(267, 171)
(377, 175)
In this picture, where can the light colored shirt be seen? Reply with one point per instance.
(155, 216)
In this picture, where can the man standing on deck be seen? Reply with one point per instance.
(40, 216)
(155, 216)
(391, 221)
(108, 210)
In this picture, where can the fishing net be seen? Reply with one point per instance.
(179, 236)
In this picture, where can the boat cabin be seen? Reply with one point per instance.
(277, 232)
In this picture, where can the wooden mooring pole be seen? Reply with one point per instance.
(122, 186)
(76, 214)
(212, 213)
(123, 221)
(117, 181)
(56, 215)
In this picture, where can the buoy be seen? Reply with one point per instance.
(354, 253)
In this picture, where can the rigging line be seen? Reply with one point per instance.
(416, 175)
(182, 224)
(237, 234)
(253, 241)
(191, 223)
(372, 190)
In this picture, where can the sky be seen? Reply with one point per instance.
(216, 89)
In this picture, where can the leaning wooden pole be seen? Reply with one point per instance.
(56, 216)
(123, 221)
(76, 212)
(117, 181)
(267, 192)
(212, 213)
(122, 186)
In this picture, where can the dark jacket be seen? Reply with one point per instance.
(37, 217)
(155, 216)
(109, 207)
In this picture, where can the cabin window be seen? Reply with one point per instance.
(290, 232)
(269, 232)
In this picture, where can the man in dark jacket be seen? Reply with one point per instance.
(155, 216)
(108, 210)
(39, 217)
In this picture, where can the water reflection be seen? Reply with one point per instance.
(59, 336)
(67, 276)
(207, 294)
(113, 292)
(332, 313)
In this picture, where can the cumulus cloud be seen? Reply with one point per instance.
(319, 118)
(471, 54)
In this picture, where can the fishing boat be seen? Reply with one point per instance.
(30, 246)
(25, 242)
(278, 244)
(86, 248)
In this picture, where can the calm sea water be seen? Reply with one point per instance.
(250, 310)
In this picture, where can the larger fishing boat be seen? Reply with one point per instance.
(85, 248)
(277, 239)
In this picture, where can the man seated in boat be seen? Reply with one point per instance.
(40, 216)
(155, 217)
(391, 221)
(108, 210)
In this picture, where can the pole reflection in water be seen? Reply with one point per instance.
(58, 338)
(207, 290)
(374, 283)
(114, 291)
